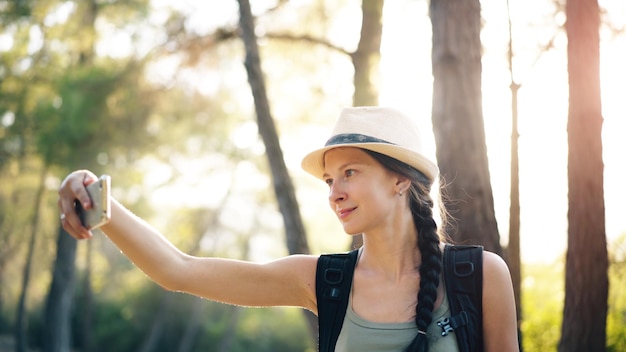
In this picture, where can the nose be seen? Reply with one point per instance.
(336, 193)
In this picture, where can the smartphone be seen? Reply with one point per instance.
(100, 212)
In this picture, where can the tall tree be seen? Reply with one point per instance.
(20, 336)
(94, 110)
(57, 335)
(513, 255)
(57, 330)
(366, 58)
(283, 186)
(586, 269)
(458, 121)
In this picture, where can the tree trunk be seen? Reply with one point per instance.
(192, 328)
(458, 122)
(366, 59)
(366, 62)
(226, 342)
(586, 270)
(153, 338)
(57, 327)
(20, 324)
(513, 253)
(86, 327)
(283, 187)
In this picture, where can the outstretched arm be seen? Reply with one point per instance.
(289, 281)
(499, 317)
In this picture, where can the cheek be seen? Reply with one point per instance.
(382, 192)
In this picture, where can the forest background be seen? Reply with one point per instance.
(155, 93)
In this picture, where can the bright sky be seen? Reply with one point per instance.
(406, 83)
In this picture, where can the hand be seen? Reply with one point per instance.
(73, 189)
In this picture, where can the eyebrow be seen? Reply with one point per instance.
(345, 165)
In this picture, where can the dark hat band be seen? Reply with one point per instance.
(353, 138)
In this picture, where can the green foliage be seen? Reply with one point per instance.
(543, 296)
(542, 302)
(15, 9)
(616, 319)
(75, 118)
(616, 327)
(277, 329)
(122, 324)
(94, 112)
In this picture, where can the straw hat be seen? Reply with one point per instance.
(383, 130)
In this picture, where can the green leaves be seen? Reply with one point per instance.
(75, 119)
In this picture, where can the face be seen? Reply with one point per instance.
(362, 193)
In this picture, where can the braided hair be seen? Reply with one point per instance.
(421, 205)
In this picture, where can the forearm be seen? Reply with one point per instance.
(148, 249)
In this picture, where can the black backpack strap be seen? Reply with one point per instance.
(333, 281)
(463, 275)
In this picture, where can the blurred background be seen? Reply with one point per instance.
(158, 95)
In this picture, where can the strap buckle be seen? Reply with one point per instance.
(448, 325)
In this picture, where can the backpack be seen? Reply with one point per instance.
(462, 275)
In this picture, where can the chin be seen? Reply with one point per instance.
(352, 232)
(352, 228)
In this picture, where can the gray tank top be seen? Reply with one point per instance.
(360, 335)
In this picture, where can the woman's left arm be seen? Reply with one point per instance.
(499, 313)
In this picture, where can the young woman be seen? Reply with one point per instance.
(379, 186)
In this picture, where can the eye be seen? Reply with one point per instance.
(350, 172)
(329, 181)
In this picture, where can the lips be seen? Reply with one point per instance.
(343, 213)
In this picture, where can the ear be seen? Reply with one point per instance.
(402, 184)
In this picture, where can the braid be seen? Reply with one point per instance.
(421, 204)
(430, 270)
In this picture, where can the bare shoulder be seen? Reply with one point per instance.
(499, 317)
(494, 266)
(497, 285)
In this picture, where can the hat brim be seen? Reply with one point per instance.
(313, 162)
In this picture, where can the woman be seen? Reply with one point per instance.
(379, 183)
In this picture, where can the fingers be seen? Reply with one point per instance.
(75, 230)
(73, 190)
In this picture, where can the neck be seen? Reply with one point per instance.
(393, 253)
